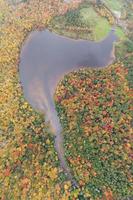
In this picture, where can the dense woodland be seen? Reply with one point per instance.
(94, 107)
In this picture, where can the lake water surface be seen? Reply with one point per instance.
(45, 58)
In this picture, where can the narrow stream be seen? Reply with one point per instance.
(45, 58)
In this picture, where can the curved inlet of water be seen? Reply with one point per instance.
(45, 58)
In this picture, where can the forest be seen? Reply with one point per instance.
(94, 106)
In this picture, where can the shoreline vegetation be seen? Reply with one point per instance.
(100, 159)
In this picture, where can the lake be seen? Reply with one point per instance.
(45, 58)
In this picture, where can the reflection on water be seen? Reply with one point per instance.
(45, 58)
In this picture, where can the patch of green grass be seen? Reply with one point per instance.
(102, 28)
(88, 16)
(120, 33)
(114, 5)
(99, 25)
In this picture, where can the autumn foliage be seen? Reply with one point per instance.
(29, 166)
(95, 110)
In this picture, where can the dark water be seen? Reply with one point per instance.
(45, 58)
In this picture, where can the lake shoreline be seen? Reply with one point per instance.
(35, 81)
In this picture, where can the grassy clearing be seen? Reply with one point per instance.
(114, 5)
(102, 28)
(99, 25)
(120, 33)
(83, 17)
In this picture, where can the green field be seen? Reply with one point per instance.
(99, 25)
(114, 5)
(120, 33)
(86, 17)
